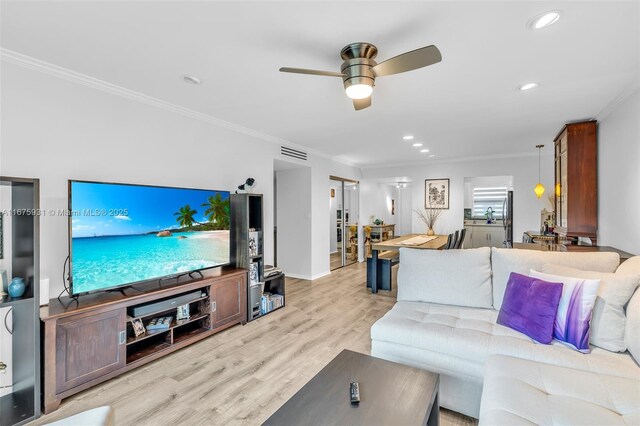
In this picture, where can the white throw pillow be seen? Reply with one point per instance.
(505, 261)
(572, 323)
(609, 320)
(449, 277)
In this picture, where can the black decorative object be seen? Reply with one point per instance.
(246, 186)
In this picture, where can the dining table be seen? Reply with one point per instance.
(414, 241)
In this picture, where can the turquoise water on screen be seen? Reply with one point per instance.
(103, 262)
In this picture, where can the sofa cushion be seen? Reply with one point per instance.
(632, 330)
(455, 331)
(459, 340)
(609, 319)
(600, 361)
(520, 391)
(506, 261)
(452, 277)
(530, 306)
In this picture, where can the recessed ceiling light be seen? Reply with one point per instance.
(407, 138)
(191, 79)
(528, 86)
(431, 155)
(544, 20)
(417, 144)
(424, 150)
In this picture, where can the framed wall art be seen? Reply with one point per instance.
(436, 194)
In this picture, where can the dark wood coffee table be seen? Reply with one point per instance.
(390, 394)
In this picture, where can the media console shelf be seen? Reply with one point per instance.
(93, 341)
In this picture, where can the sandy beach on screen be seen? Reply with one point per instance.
(221, 235)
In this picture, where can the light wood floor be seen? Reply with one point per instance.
(244, 374)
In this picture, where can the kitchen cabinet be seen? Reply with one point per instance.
(576, 186)
(484, 236)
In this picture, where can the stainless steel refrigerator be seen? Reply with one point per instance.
(507, 220)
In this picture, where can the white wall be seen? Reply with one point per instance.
(294, 221)
(56, 130)
(322, 169)
(619, 176)
(375, 200)
(525, 176)
(404, 211)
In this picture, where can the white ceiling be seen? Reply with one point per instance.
(468, 105)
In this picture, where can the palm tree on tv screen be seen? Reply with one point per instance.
(185, 216)
(217, 211)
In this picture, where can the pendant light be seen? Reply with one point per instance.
(539, 189)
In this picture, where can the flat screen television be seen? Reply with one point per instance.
(122, 234)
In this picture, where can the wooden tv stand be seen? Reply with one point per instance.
(92, 341)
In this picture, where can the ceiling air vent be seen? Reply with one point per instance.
(293, 153)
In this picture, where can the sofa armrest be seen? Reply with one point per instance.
(630, 266)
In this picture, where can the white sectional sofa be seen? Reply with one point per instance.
(445, 321)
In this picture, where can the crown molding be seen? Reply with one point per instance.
(427, 162)
(622, 96)
(25, 61)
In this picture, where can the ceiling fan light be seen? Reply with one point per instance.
(359, 91)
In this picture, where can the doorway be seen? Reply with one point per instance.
(344, 203)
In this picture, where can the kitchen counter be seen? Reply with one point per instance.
(482, 222)
(545, 246)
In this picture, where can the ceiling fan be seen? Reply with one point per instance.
(359, 70)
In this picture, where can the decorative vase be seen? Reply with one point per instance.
(17, 287)
(430, 232)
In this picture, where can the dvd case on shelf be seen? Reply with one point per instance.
(254, 243)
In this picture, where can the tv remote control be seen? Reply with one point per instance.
(354, 388)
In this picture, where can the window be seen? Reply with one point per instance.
(485, 197)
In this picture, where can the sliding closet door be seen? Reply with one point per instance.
(343, 222)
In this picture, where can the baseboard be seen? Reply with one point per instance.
(320, 275)
(307, 277)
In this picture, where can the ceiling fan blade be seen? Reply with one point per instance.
(408, 61)
(311, 72)
(362, 103)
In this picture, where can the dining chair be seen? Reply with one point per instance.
(452, 240)
(447, 246)
(460, 241)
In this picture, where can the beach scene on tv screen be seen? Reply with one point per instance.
(123, 234)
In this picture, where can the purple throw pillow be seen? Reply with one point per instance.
(530, 306)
